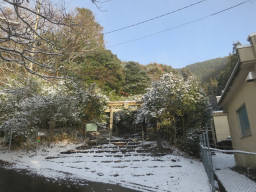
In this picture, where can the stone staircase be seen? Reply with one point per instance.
(118, 148)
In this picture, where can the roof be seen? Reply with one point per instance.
(219, 113)
(252, 35)
(242, 46)
(230, 80)
(237, 67)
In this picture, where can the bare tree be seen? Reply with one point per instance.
(27, 29)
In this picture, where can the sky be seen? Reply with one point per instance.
(207, 39)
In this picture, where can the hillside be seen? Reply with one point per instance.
(213, 75)
(155, 70)
(204, 70)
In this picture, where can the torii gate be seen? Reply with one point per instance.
(114, 106)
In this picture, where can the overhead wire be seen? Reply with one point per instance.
(183, 24)
(154, 18)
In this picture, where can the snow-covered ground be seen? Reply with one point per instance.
(136, 169)
(231, 180)
(223, 160)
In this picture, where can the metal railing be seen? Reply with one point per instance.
(206, 157)
(206, 153)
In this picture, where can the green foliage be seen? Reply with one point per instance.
(100, 67)
(203, 70)
(136, 79)
(124, 122)
(217, 80)
(213, 75)
(223, 76)
(155, 70)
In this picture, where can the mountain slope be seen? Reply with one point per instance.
(204, 70)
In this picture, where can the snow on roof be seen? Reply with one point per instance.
(252, 34)
(243, 46)
(217, 112)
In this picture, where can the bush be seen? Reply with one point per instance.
(190, 144)
(25, 113)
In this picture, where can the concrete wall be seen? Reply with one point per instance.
(246, 53)
(246, 95)
(221, 126)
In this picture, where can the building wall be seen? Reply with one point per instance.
(246, 95)
(221, 126)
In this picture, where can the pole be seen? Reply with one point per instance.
(10, 140)
(37, 140)
(110, 124)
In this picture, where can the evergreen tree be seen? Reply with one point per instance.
(136, 79)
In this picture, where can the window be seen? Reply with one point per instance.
(244, 121)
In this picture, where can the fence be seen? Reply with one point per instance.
(206, 157)
(211, 166)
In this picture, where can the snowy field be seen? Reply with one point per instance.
(130, 166)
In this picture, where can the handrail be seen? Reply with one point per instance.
(228, 151)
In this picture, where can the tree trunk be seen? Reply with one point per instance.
(183, 128)
(175, 138)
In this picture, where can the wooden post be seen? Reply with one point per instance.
(10, 140)
(110, 124)
(51, 124)
(37, 139)
(142, 135)
(5, 137)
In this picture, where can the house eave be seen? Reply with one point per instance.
(229, 82)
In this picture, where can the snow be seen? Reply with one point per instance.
(252, 34)
(231, 180)
(223, 160)
(243, 46)
(136, 170)
(235, 182)
(221, 111)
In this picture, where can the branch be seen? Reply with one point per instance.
(34, 12)
(9, 22)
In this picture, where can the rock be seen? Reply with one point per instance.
(100, 174)
(175, 166)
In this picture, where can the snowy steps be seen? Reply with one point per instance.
(118, 147)
(116, 152)
(132, 155)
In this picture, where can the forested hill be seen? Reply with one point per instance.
(204, 70)
(90, 64)
(213, 74)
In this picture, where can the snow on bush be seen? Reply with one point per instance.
(24, 111)
(172, 98)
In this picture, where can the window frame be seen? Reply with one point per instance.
(245, 132)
